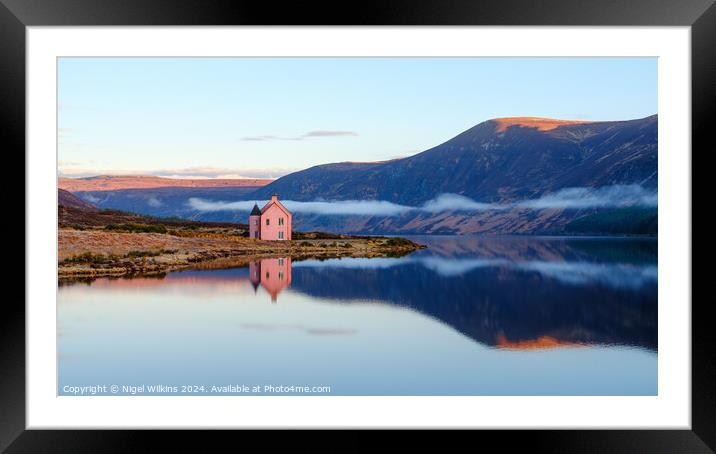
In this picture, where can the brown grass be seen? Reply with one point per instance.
(164, 252)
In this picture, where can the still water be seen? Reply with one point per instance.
(467, 316)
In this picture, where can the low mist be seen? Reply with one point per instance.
(605, 197)
(616, 196)
(345, 207)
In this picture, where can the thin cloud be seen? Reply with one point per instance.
(330, 134)
(308, 135)
(65, 163)
(223, 172)
(260, 138)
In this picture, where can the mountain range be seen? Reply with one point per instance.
(502, 161)
(496, 161)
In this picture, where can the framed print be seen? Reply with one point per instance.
(452, 216)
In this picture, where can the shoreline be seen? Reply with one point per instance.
(98, 253)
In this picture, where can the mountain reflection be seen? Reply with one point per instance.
(517, 293)
(510, 293)
(500, 305)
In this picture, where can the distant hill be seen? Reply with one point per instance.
(113, 183)
(67, 199)
(167, 201)
(75, 212)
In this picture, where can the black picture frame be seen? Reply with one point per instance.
(16, 15)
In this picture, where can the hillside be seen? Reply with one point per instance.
(496, 161)
(625, 221)
(166, 201)
(67, 199)
(76, 213)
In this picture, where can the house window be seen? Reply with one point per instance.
(280, 262)
(280, 221)
(267, 221)
(280, 276)
(267, 275)
(256, 222)
(280, 235)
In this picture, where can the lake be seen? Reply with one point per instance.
(469, 315)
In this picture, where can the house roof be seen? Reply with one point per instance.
(255, 211)
(278, 204)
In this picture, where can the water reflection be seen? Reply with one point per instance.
(503, 292)
(510, 292)
(272, 274)
(464, 306)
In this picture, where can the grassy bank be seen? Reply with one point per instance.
(134, 249)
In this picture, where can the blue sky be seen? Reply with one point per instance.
(265, 117)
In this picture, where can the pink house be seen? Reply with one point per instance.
(272, 222)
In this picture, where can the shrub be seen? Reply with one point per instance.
(136, 228)
(316, 236)
(89, 257)
(397, 242)
(132, 254)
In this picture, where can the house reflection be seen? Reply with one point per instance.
(272, 274)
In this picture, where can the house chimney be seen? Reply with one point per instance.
(274, 197)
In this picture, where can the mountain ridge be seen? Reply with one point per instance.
(491, 166)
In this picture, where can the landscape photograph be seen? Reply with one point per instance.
(357, 226)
